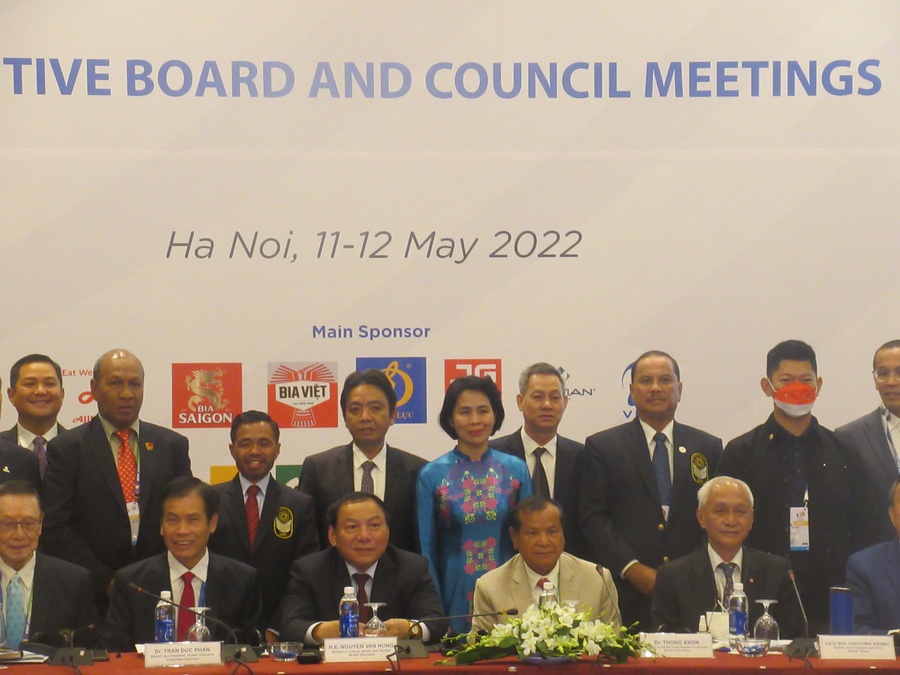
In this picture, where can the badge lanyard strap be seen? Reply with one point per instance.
(890, 438)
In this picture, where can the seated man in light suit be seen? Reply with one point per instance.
(196, 577)
(697, 583)
(358, 531)
(873, 575)
(537, 533)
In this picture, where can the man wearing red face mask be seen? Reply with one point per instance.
(811, 501)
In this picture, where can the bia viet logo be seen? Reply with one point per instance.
(407, 375)
(455, 368)
(205, 395)
(303, 395)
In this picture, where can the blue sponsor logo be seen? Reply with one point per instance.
(408, 377)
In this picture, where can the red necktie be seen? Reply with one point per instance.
(362, 597)
(185, 618)
(127, 466)
(251, 506)
(542, 581)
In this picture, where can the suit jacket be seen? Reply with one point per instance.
(287, 531)
(12, 435)
(508, 587)
(317, 582)
(85, 519)
(873, 575)
(63, 597)
(17, 463)
(867, 439)
(686, 588)
(232, 595)
(565, 482)
(621, 512)
(328, 476)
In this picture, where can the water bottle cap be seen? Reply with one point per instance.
(165, 595)
(348, 590)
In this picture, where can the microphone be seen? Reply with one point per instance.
(609, 593)
(801, 647)
(237, 652)
(415, 648)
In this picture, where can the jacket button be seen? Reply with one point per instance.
(661, 527)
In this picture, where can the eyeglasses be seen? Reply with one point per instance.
(884, 374)
(29, 526)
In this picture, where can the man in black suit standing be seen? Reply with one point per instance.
(104, 478)
(36, 392)
(639, 485)
(41, 595)
(552, 459)
(361, 557)
(875, 438)
(195, 577)
(368, 464)
(262, 523)
(702, 581)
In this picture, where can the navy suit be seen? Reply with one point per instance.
(621, 511)
(327, 476)
(232, 595)
(287, 531)
(565, 482)
(873, 575)
(86, 521)
(12, 435)
(63, 597)
(867, 438)
(17, 463)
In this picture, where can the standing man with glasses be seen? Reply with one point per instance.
(875, 438)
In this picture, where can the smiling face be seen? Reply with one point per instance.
(887, 381)
(727, 517)
(37, 395)
(186, 528)
(361, 534)
(473, 421)
(20, 528)
(255, 450)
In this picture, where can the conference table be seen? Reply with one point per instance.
(721, 664)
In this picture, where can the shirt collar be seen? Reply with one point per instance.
(530, 445)
(650, 432)
(262, 484)
(533, 577)
(176, 569)
(380, 459)
(891, 421)
(110, 429)
(26, 574)
(715, 559)
(351, 570)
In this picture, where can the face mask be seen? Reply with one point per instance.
(795, 399)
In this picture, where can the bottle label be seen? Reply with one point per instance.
(349, 624)
(165, 630)
(737, 623)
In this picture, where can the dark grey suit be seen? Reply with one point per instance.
(63, 597)
(328, 476)
(12, 435)
(17, 463)
(565, 482)
(867, 438)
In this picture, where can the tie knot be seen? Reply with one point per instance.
(253, 490)
(360, 580)
(728, 568)
(660, 437)
(187, 578)
(123, 435)
(539, 452)
(368, 465)
(40, 441)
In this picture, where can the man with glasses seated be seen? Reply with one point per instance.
(42, 595)
(875, 438)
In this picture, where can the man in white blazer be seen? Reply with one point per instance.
(537, 525)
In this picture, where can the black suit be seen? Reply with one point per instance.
(867, 438)
(621, 512)
(12, 435)
(287, 531)
(328, 476)
(86, 521)
(317, 582)
(17, 463)
(565, 482)
(686, 588)
(63, 597)
(232, 595)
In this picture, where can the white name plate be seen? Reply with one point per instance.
(681, 646)
(857, 647)
(349, 650)
(169, 654)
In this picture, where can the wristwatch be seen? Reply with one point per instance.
(415, 630)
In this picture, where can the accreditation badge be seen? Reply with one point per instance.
(284, 523)
(699, 468)
(799, 528)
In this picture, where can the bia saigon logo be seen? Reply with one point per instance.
(407, 375)
(303, 395)
(456, 368)
(205, 395)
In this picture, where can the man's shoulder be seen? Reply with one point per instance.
(510, 443)
(139, 569)
(57, 567)
(686, 562)
(409, 459)
(764, 559)
(870, 555)
(326, 456)
(163, 433)
(696, 435)
(614, 435)
(564, 444)
(230, 565)
(12, 451)
(403, 558)
(500, 573)
(747, 440)
(78, 434)
(859, 424)
(289, 497)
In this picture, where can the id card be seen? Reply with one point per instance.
(799, 528)
(134, 517)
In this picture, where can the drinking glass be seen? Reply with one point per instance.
(375, 627)
(766, 628)
(199, 632)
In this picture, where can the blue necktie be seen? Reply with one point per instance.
(15, 612)
(661, 470)
(728, 569)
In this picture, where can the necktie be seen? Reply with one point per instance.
(127, 466)
(15, 612)
(185, 618)
(661, 469)
(368, 484)
(251, 506)
(40, 449)
(541, 582)
(728, 568)
(539, 485)
(362, 597)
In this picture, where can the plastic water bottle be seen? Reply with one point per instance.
(348, 611)
(548, 594)
(737, 612)
(165, 618)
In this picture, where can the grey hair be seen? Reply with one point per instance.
(706, 488)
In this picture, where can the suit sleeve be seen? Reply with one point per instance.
(299, 609)
(118, 628)
(863, 599)
(309, 484)
(482, 605)
(84, 594)
(182, 457)
(251, 605)
(732, 462)
(306, 539)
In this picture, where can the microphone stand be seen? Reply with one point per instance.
(801, 648)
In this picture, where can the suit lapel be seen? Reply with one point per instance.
(269, 510)
(877, 438)
(148, 464)
(565, 471)
(103, 455)
(394, 494)
(234, 504)
(518, 447)
(682, 467)
(704, 583)
(892, 564)
(344, 473)
(520, 588)
(641, 457)
(567, 587)
(42, 603)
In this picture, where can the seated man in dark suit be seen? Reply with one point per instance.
(358, 531)
(60, 593)
(702, 581)
(873, 575)
(281, 520)
(196, 577)
(368, 464)
(36, 392)
(552, 459)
